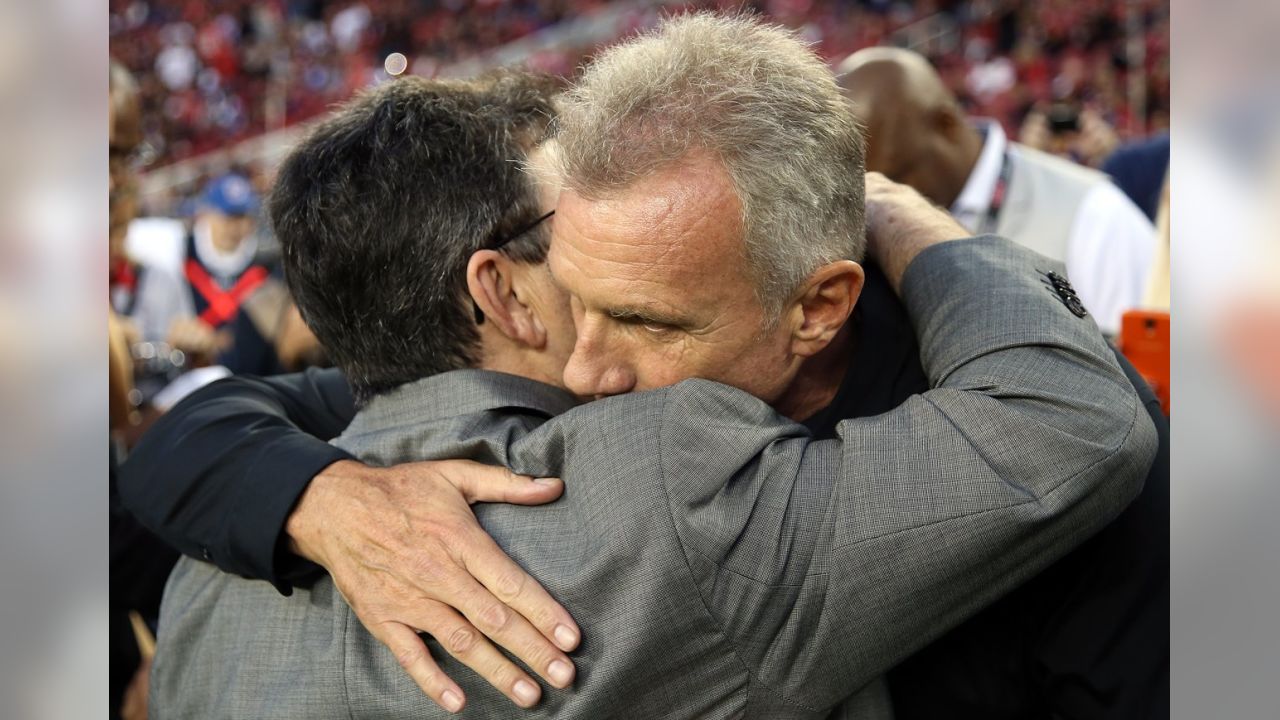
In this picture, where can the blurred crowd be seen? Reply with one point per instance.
(214, 73)
(211, 74)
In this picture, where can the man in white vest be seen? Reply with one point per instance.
(919, 136)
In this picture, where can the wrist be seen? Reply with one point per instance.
(305, 526)
(909, 232)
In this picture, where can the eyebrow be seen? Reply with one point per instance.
(646, 314)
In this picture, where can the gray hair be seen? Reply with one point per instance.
(749, 93)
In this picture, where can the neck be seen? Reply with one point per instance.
(818, 379)
(503, 357)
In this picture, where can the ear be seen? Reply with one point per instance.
(949, 121)
(824, 305)
(495, 283)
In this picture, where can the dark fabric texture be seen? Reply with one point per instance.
(139, 565)
(884, 367)
(1139, 168)
(217, 476)
(1087, 639)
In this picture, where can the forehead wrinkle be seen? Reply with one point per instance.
(614, 295)
(660, 239)
(624, 254)
(685, 234)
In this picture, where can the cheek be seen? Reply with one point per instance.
(561, 336)
(660, 365)
(761, 361)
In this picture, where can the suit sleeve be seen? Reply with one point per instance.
(828, 562)
(217, 476)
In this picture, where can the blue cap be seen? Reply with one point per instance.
(231, 194)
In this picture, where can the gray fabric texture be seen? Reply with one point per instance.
(721, 563)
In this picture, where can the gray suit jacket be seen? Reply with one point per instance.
(722, 563)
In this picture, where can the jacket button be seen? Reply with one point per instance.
(1067, 294)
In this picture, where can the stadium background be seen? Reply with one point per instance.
(229, 85)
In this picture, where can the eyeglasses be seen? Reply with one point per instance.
(501, 242)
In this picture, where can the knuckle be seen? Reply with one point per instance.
(445, 532)
(543, 617)
(510, 584)
(502, 674)
(462, 640)
(493, 618)
(410, 655)
(426, 564)
(538, 653)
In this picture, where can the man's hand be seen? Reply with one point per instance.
(901, 223)
(405, 550)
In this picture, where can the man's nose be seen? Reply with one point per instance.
(594, 371)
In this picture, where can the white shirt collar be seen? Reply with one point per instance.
(974, 201)
(221, 264)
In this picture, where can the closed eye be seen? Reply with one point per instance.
(649, 324)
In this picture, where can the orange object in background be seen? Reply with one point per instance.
(1144, 340)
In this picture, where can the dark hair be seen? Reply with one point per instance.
(380, 208)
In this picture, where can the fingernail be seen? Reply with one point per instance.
(451, 701)
(526, 691)
(546, 481)
(566, 638)
(561, 673)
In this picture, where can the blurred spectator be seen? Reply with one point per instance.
(919, 136)
(148, 300)
(1067, 131)
(239, 296)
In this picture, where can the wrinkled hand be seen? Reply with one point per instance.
(901, 223)
(405, 550)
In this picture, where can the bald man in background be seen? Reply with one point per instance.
(919, 136)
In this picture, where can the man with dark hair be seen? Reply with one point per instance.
(676, 492)
(388, 215)
(326, 200)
